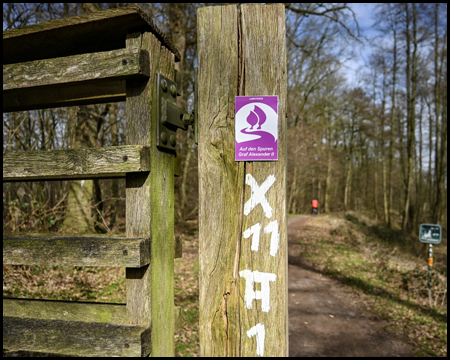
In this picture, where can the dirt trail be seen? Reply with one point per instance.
(324, 317)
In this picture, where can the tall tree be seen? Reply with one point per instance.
(411, 87)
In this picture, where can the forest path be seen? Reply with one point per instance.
(325, 318)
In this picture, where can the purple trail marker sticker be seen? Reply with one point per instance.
(256, 128)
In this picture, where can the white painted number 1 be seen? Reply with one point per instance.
(260, 332)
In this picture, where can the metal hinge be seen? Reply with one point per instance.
(170, 116)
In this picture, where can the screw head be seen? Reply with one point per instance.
(127, 346)
(173, 140)
(164, 138)
(164, 85)
(125, 158)
(124, 62)
(173, 90)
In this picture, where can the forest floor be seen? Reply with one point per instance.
(355, 289)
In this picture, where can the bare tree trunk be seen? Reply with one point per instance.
(293, 192)
(441, 119)
(79, 215)
(114, 131)
(348, 183)
(382, 145)
(328, 181)
(411, 96)
(391, 140)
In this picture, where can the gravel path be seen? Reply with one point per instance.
(325, 318)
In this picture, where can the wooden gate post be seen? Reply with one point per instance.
(150, 204)
(243, 283)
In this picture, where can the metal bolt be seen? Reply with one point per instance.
(173, 140)
(164, 138)
(125, 158)
(124, 62)
(164, 85)
(173, 90)
(127, 346)
(125, 252)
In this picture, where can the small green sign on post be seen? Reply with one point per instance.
(430, 234)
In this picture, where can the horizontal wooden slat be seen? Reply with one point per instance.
(72, 311)
(53, 96)
(76, 337)
(72, 80)
(98, 31)
(116, 64)
(75, 250)
(105, 162)
(65, 310)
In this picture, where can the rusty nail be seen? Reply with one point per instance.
(127, 346)
(125, 252)
(125, 158)
(124, 62)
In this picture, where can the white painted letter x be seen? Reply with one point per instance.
(258, 195)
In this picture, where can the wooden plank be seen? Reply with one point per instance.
(249, 48)
(73, 80)
(64, 72)
(70, 250)
(88, 92)
(150, 205)
(72, 311)
(71, 164)
(99, 31)
(65, 310)
(76, 337)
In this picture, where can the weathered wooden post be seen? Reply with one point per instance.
(150, 203)
(242, 223)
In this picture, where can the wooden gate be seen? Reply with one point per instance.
(120, 55)
(106, 56)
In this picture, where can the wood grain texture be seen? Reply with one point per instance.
(71, 311)
(76, 337)
(240, 53)
(102, 66)
(65, 310)
(70, 164)
(150, 205)
(84, 93)
(71, 250)
(99, 31)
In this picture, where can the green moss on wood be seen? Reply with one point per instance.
(67, 250)
(76, 337)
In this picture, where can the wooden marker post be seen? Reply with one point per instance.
(242, 222)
